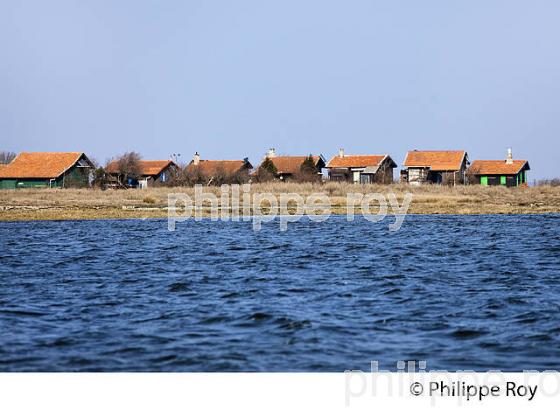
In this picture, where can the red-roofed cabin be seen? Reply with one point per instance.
(47, 169)
(151, 172)
(289, 167)
(361, 169)
(212, 171)
(435, 167)
(507, 172)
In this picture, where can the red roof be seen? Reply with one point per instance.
(40, 164)
(210, 167)
(435, 160)
(147, 167)
(497, 167)
(356, 161)
(292, 165)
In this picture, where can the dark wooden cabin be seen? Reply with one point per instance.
(435, 167)
(152, 172)
(361, 169)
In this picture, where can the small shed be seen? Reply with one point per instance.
(362, 169)
(47, 169)
(436, 167)
(509, 172)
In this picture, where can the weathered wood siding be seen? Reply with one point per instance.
(417, 175)
(384, 175)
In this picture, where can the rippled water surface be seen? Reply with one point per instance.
(461, 292)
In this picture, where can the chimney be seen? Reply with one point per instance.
(341, 152)
(196, 158)
(271, 153)
(509, 159)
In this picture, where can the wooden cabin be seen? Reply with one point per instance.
(151, 172)
(435, 167)
(508, 172)
(290, 167)
(361, 169)
(210, 171)
(47, 169)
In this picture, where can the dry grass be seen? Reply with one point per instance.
(149, 199)
(27, 204)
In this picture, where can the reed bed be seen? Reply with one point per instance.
(30, 204)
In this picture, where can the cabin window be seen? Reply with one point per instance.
(492, 180)
(511, 181)
(338, 177)
(484, 180)
(366, 179)
(503, 180)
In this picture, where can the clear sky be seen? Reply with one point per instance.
(232, 78)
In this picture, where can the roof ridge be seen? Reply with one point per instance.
(221, 160)
(51, 152)
(362, 155)
(499, 160)
(436, 150)
(293, 156)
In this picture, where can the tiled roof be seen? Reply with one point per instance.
(147, 168)
(210, 167)
(40, 164)
(291, 165)
(435, 160)
(355, 161)
(153, 167)
(497, 167)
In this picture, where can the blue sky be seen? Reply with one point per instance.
(232, 78)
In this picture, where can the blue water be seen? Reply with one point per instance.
(460, 292)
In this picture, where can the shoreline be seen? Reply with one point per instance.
(358, 215)
(92, 204)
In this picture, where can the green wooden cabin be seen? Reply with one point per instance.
(47, 170)
(509, 173)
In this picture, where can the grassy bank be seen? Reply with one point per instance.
(49, 204)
